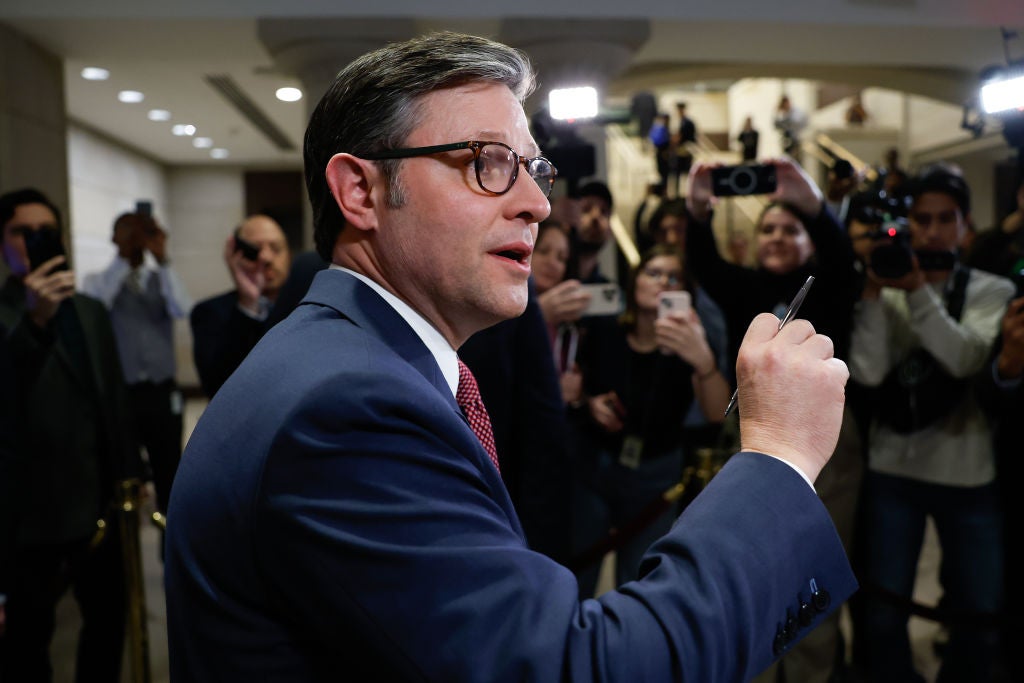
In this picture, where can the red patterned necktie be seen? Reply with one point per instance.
(472, 406)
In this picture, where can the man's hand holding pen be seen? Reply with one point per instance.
(792, 392)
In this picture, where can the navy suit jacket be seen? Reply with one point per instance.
(335, 518)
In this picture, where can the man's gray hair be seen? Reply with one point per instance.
(374, 104)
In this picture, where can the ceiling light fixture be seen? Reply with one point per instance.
(202, 143)
(289, 94)
(159, 115)
(219, 153)
(130, 96)
(95, 73)
(182, 129)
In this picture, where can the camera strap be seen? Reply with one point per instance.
(956, 292)
(919, 391)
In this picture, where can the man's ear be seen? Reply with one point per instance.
(352, 182)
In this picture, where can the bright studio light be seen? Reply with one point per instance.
(1003, 95)
(573, 103)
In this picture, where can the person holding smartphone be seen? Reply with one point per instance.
(226, 327)
(145, 296)
(639, 378)
(72, 415)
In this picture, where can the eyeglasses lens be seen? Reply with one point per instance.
(494, 168)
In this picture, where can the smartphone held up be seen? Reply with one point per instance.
(673, 303)
(43, 245)
(250, 252)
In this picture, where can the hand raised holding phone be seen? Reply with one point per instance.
(564, 302)
(678, 331)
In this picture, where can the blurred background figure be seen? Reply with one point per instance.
(652, 199)
(9, 450)
(856, 114)
(642, 108)
(640, 377)
(748, 139)
(661, 139)
(685, 136)
(790, 121)
(227, 326)
(145, 296)
(562, 303)
(71, 397)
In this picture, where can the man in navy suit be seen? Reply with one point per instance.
(337, 516)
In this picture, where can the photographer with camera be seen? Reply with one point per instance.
(227, 326)
(797, 236)
(924, 327)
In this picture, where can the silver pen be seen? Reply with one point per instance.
(794, 306)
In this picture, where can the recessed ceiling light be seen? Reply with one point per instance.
(159, 115)
(219, 153)
(202, 143)
(289, 94)
(184, 129)
(130, 96)
(95, 73)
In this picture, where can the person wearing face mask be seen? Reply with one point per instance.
(796, 236)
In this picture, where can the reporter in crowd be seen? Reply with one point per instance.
(925, 326)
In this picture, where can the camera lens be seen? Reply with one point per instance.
(743, 180)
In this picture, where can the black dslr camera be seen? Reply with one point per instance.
(892, 256)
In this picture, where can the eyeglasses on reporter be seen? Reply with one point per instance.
(496, 164)
(672, 277)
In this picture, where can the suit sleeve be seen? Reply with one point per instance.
(393, 534)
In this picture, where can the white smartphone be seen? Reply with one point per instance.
(605, 299)
(673, 302)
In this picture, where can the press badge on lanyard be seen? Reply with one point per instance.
(632, 449)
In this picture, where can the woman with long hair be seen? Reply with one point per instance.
(639, 378)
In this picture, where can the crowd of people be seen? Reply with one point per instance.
(345, 500)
